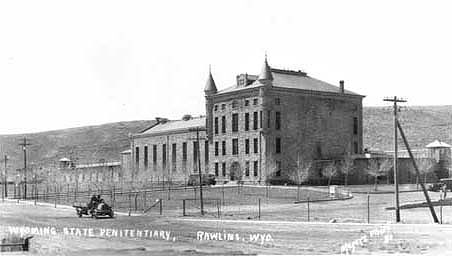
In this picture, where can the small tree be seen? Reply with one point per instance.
(425, 166)
(376, 170)
(330, 171)
(347, 167)
(300, 172)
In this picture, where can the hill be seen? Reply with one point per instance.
(422, 125)
(87, 144)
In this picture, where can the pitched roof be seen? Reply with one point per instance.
(438, 144)
(293, 80)
(177, 125)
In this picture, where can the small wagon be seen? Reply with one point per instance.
(82, 210)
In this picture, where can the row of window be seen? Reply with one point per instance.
(235, 146)
(234, 103)
(173, 154)
(247, 169)
(257, 122)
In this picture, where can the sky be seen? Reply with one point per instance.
(75, 63)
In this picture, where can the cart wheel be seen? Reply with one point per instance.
(111, 214)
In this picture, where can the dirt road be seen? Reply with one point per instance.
(66, 234)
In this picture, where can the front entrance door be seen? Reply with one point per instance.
(234, 172)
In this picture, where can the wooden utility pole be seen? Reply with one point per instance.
(198, 152)
(427, 198)
(396, 100)
(24, 145)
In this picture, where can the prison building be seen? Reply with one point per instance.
(170, 150)
(261, 125)
(92, 174)
(255, 130)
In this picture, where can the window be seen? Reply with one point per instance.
(164, 155)
(223, 106)
(247, 103)
(256, 146)
(255, 101)
(223, 169)
(260, 119)
(355, 147)
(255, 120)
(255, 169)
(184, 151)
(268, 119)
(215, 108)
(247, 168)
(247, 146)
(145, 157)
(137, 156)
(195, 152)
(223, 147)
(223, 124)
(278, 168)
(247, 121)
(216, 148)
(277, 101)
(234, 104)
(355, 125)
(235, 146)
(278, 145)
(154, 154)
(216, 125)
(206, 152)
(277, 120)
(216, 169)
(173, 155)
(235, 122)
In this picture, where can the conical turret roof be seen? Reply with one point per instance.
(266, 73)
(210, 88)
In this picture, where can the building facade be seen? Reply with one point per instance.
(170, 150)
(255, 130)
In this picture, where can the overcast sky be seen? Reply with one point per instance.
(74, 63)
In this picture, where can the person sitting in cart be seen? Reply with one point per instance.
(93, 202)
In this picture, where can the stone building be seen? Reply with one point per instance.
(93, 174)
(269, 121)
(169, 151)
(255, 130)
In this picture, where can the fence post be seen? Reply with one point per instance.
(183, 207)
(223, 194)
(218, 208)
(441, 209)
(368, 208)
(308, 211)
(144, 200)
(136, 197)
(55, 193)
(130, 201)
(161, 206)
(259, 215)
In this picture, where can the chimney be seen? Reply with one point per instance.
(341, 86)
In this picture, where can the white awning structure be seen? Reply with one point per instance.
(438, 144)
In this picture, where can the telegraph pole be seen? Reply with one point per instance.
(198, 152)
(396, 100)
(24, 145)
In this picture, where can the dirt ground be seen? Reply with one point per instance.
(207, 236)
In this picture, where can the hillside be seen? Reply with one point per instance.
(422, 125)
(87, 144)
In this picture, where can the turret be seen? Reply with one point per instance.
(210, 88)
(266, 76)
